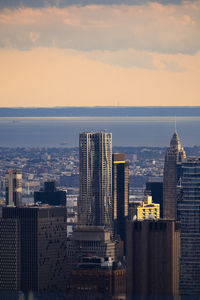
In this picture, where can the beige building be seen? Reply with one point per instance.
(13, 188)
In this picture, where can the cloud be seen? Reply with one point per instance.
(151, 26)
(67, 3)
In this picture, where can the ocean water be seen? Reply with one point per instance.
(126, 131)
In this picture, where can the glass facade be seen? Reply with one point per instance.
(189, 215)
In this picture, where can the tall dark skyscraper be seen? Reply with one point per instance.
(13, 188)
(154, 187)
(120, 190)
(175, 154)
(153, 253)
(95, 169)
(50, 195)
(189, 215)
(40, 250)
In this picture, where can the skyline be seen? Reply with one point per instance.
(88, 53)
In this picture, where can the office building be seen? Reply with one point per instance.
(189, 215)
(120, 190)
(146, 209)
(95, 171)
(154, 187)
(98, 277)
(50, 195)
(153, 252)
(9, 255)
(13, 188)
(42, 246)
(174, 156)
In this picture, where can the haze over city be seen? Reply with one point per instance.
(77, 53)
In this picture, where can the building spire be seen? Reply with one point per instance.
(175, 124)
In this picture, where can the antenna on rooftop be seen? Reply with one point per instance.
(175, 123)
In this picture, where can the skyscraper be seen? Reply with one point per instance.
(95, 169)
(154, 187)
(189, 215)
(13, 188)
(153, 253)
(175, 154)
(120, 190)
(37, 256)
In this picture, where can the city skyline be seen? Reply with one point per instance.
(127, 52)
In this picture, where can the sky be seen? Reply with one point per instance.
(99, 52)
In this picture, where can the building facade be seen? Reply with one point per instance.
(189, 215)
(154, 187)
(120, 190)
(13, 188)
(145, 209)
(50, 195)
(153, 252)
(42, 242)
(174, 156)
(9, 255)
(95, 171)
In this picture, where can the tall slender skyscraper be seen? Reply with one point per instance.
(120, 174)
(95, 169)
(175, 154)
(13, 188)
(189, 215)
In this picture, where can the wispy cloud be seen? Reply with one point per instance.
(151, 26)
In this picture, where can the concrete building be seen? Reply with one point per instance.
(153, 252)
(13, 188)
(145, 209)
(95, 169)
(189, 215)
(42, 243)
(120, 190)
(50, 195)
(96, 277)
(174, 156)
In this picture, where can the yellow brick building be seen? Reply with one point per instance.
(147, 209)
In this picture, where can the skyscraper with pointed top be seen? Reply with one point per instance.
(174, 156)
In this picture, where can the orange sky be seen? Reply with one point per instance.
(97, 55)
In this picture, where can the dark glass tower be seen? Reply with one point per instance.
(120, 188)
(189, 215)
(174, 156)
(95, 171)
(50, 195)
(42, 243)
(154, 187)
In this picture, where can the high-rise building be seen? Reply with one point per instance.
(153, 253)
(174, 156)
(154, 187)
(95, 171)
(189, 215)
(42, 245)
(50, 195)
(13, 188)
(120, 190)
